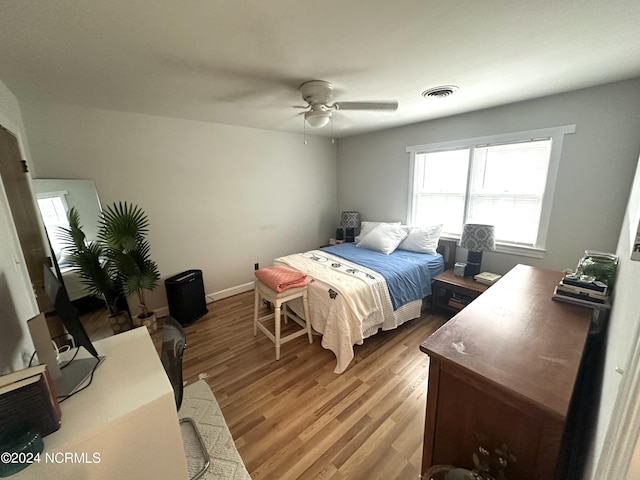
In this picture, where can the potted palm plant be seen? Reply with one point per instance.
(123, 230)
(88, 260)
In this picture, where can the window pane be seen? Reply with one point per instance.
(516, 218)
(518, 168)
(440, 184)
(54, 216)
(507, 187)
(443, 172)
(434, 209)
(52, 210)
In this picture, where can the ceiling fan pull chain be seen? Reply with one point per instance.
(333, 140)
(304, 130)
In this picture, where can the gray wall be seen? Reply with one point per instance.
(594, 178)
(590, 203)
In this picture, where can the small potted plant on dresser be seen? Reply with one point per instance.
(123, 230)
(87, 258)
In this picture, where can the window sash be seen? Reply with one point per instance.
(516, 217)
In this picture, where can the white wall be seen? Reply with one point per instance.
(624, 324)
(594, 178)
(219, 198)
(17, 302)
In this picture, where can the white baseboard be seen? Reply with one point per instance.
(230, 292)
(210, 297)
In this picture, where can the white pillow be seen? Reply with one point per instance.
(422, 239)
(366, 227)
(384, 238)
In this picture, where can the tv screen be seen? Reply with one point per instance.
(77, 373)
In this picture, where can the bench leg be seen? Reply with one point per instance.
(256, 308)
(277, 325)
(307, 316)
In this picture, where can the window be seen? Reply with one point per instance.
(506, 181)
(53, 208)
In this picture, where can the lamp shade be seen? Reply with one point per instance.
(477, 237)
(350, 220)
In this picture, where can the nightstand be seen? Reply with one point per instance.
(453, 293)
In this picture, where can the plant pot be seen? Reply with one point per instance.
(151, 322)
(460, 474)
(120, 322)
(437, 472)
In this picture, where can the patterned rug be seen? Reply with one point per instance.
(200, 404)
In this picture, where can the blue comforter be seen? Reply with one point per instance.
(408, 274)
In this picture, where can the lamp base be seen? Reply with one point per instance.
(350, 234)
(474, 260)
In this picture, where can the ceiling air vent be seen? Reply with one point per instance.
(440, 92)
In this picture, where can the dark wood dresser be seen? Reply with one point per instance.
(503, 371)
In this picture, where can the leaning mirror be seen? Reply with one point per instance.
(55, 198)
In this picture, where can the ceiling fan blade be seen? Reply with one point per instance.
(365, 105)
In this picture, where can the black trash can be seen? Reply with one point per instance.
(185, 294)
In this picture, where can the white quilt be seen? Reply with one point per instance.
(347, 302)
(73, 283)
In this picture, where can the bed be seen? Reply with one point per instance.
(355, 292)
(76, 289)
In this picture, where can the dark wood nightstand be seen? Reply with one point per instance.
(453, 293)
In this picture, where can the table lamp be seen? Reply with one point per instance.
(351, 223)
(476, 238)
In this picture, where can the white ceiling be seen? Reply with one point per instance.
(240, 62)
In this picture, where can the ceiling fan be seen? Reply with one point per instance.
(319, 97)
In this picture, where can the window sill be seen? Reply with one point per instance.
(520, 250)
(511, 249)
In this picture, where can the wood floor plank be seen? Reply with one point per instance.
(295, 418)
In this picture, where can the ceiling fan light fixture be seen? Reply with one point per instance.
(440, 91)
(318, 94)
(317, 118)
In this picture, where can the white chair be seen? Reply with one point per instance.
(279, 300)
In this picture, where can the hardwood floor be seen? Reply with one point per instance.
(295, 418)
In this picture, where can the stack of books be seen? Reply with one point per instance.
(459, 301)
(27, 399)
(573, 289)
(487, 278)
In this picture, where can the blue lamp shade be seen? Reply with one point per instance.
(350, 221)
(476, 238)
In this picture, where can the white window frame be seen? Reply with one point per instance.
(557, 136)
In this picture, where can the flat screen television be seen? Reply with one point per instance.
(77, 371)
